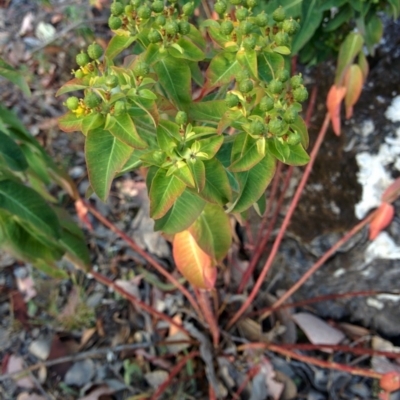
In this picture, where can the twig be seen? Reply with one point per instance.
(175, 371)
(284, 226)
(251, 374)
(143, 254)
(109, 283)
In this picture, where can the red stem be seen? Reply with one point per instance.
(208, 314)
(143, 254)
(252, 372)
(284, 226)
(175, 371)
(109, 283)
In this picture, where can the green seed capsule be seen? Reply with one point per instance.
(82, 59)
(283, 75)
(158, 6)
(245, 27)
(226, 27)
(266, 104)
(242, 75)
(279, 14)
(117, 9)
(72, 103)
(235, 2)
(136, 3)
(231, 100)
(262, 20)
(220, 7)
(290, 115)
(91, 100)
(144, 12)
(257, 127)
(114, 23)
(181, 118)
(95, 51)
(276, 126)
(171, 28)
(111, 81)
(188, 9)
(275, 86)
(294, 138)
(128, 9)
(300, 94)
(246, 86)
(160, 20)
(154, 37)
(251, 3)
(184, 27)
(141, 68)
(249, 43)
(281, 39)
(241, 14)
(79, 74)
(119, 107)
(296, 81)
(290, 26)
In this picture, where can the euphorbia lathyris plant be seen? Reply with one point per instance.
(206, 119)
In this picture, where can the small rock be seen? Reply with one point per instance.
(80, 373)
(40, 348)
(94, 299)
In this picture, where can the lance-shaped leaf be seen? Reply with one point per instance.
(300, 126)
(260, 205)
(12, 154)
(186, 49)
(268, 64)
(353, 82)
(123, 128)
(183, 173)
(9, 72)
(216, 187)
(382, 220)
(297, 156)
(105, 156)
(71, 86)
(182, 214)
(253, 183)
(210, 146)
(349, 49)
(333, 102)
(373, 32)
(163, 193)
(118, 44)
(198, 172)
(208, 111)
(69, 122)
(222, 69)
(245, 153)
(212, 231)
(92, 121)
(29, 207)
(192, 262)
(248, 60)
(174, 77)
(168, 135)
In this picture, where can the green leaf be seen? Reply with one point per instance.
(245, 153)
(395, 4)
(248, 60)
(168, 135)
(208, 111)
(182, 214)
(196, 73)
(374, 32)
(36, 161)
(300, 126)
(8, 72)
(123, 128)
(349, 49)
(210, 146)
(71, 86)
(212, 231)
(284, 50)
(118, 44)
(92, 121)
(12, 154)
(216, 187)
(310, 21)
(105, 156)
(268, 64)
(69, 122)
(279, 149)
(260, 205)
(222, 69)
(344, 15)
(198, 172)
(184, 174)
(174, 77)
(163, 193)
(28, 206)
(297, 156)
(253, 183)
(189, 51)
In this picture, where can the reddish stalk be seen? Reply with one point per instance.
(311, 360)
(284, 226)
(251, 374)
(208, 314)
(319, 263)
(109, 283)
(175, 371)
(143, 254)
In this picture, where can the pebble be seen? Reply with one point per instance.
(80, 373)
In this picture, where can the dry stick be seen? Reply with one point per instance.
(108, 282)
(311, 360)
(319, 263)
(175, 371)
(146, 256)
(284, 226)
(208, 313)
(264, 240)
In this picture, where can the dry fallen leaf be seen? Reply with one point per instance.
(16, 364)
